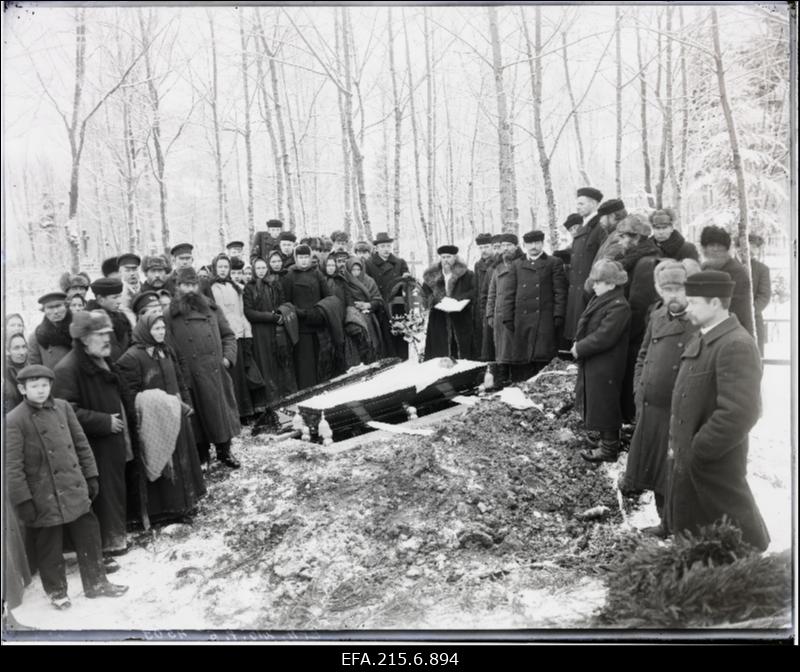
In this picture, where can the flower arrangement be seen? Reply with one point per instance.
(412, 328)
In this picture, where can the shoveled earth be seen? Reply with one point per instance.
(476, 527)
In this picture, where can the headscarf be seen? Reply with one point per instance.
(358, 290)
(9, 362)
(215, 278)
(142, 337)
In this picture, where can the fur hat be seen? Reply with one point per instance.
(186, 275)
(109, 266)
(274, 224)
(572, 220)
(340, 237)
(484, 239)
(591, 192)
(755, 239)
(87, 322)
(69, 281)
(362, 246)
(672, 272)
(237, 264)
(287, 235)
(608, 271)
(532, 236)
(154, 261)
(663, 217)
(509, 238)
(634, 224)
(106, 286)
(302, 250)
(715, 235)
(710, 284)
(447, 249)
(609, 206)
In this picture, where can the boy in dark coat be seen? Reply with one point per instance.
(449, 334)
(585, 244)
(45, 446)
(716, 245)
(89, 380)
(600, 348)
(668, 332)
(715, 404)
(536, 303)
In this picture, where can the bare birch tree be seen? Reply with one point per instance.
(248, 143)
(398, 128)
(618, 148)
(648, 186)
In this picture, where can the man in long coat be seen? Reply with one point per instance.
(264, 242)
(50, 342)
(487, 331)
(585, 244)
(481, 270)
(206, 347)
(669, 240)
(88, 378)
(715, 404)
(502, 325)
(387, 271)
(716, 245)
(108, 298)
(449, 334)
(535, 304)
(668, 332)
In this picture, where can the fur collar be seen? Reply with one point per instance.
(89, 367)
(187, 304)
(49, 334)
(433, 277)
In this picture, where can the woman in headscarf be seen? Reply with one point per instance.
(16, 360)
(368, 301)
(14, 324)
(249, 388)
(151, 364)
(274, 324)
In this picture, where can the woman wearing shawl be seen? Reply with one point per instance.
(248, 385)
(269, 315)
(151, 364)
(368, 301)
(16, 360)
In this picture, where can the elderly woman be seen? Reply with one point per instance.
(369, 303)
(174, 477)
(16, 360)
(274, 326)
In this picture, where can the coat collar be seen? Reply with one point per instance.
(587, 228)
(662, 325)
(695, 346)
(597, 302)
(527, 263)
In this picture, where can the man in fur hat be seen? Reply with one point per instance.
(611, 212)
(286, 244)
(449, 334)
(265, 242)
(669, 240)
(668, 332)
(155, 269)
(585, 243)
(199, 331)
(715, 243)
(715, 404)
(534, 306)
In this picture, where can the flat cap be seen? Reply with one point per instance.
(181, 248)
(234, 243)
(144, 299)
(287, 235)
(128, 259)
(51, 297)
(35, 371)
(154, 261)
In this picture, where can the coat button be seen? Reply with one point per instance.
(674, 367)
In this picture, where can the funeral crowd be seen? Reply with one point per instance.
(112, 402)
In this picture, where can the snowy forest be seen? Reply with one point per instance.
(134, 128)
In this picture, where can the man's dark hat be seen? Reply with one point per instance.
(287, 235)
(237, 264)
(591, 192)
(447, 249)
(142, 299)
(128, 259)
(274, 224)
(382, 237)
(710, 284)
(107, 286)
(52, 296)
(484, 239)
(109, 266)
(181, 248)
(715, 235)
(572, 220)
(532, 236)
(509, 238)
(154, 261)
(234, 243)
(609, 206)
(186, 275)
(302, 250)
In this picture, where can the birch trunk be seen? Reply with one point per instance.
(508, 207)
(430, 117)
(398, 127)
(648, 185)
(618, 152)
(217, 149)
(575, 117)
(248, 142)
(347, 165)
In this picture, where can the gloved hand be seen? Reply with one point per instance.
(558, 322)
(26, 512)
(94, 487)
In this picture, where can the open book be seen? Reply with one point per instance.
(451, 305)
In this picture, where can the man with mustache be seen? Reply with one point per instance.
(50, 341)
(667, 334)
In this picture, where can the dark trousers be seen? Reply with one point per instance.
(204, 450)
(49, 544)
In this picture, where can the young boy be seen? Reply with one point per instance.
(600, 348)
(52, 478)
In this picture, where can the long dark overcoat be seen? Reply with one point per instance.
(500, 285)
(178, 493)
(742, 292)
(601, 340)
(654, 378)
(96, 394)
(538, 294)
(481, 270)
(386, 273)
(487, 330)
(48, 460)
(715, 404)
(677, 247)
(202, 339)
(585, 244)
(762, 293)
(448, 329)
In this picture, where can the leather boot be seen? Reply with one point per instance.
(608, 450)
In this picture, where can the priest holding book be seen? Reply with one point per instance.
(450, 291)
